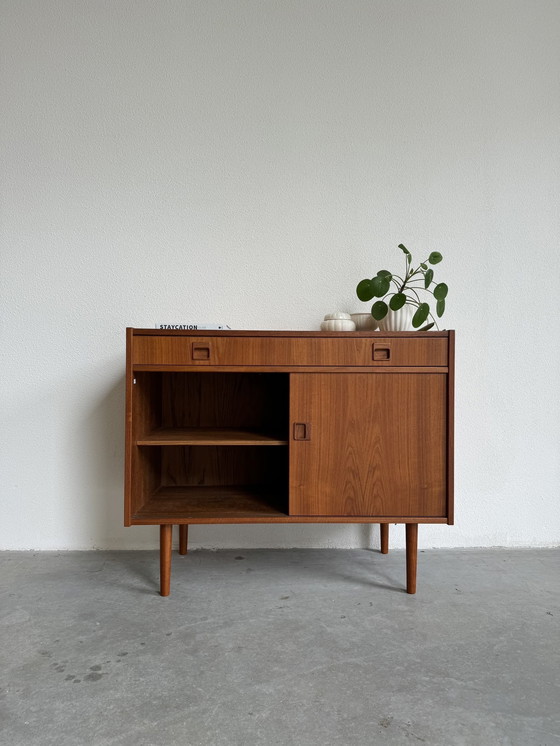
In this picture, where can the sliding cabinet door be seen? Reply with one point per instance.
(368, 444)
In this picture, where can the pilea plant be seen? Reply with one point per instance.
(406, 290)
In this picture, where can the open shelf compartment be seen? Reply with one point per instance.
(211, 409)
(197, 445)
(196, 504)
(206, 482)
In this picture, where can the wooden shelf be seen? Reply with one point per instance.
(207, 505)
(208, 436)
(210, 503)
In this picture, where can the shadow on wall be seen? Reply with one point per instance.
(103, 429)
(101, 437)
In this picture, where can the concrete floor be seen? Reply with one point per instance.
(278, 647)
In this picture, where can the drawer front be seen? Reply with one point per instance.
(289, 351)
(409, 351)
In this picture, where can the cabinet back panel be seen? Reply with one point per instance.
(240, 400)
(216, 466)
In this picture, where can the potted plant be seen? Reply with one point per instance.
(400, 301)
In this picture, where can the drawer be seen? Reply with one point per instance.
(289, 351)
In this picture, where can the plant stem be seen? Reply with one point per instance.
(409, 274)
(435, 321)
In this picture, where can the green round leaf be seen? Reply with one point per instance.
(440, 307)
(440, 291)
(435, 257)
(424, 266)
(397, 301)
(384, 273)
(380, 285)
(365, 290)
(403, 248)
(421, 315)
(379, 310)
(427, 327)
(428, 277)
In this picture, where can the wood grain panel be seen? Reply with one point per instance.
(378, 445)
(289, 351)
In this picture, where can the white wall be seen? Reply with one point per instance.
(249, 161)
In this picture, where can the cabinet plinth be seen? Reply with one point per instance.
(288, 427)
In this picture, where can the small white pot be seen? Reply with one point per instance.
(338, 325)
(364, 322)
(398, 321)
(338, 322)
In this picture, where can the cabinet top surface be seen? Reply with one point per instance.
(282, 333)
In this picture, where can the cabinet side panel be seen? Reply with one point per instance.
(128, 431)
(451, 431)
(377, 444)
(146, 416)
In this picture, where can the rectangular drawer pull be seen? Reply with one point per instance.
(381, 351)
(200, 352)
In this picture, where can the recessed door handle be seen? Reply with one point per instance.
(302, 431)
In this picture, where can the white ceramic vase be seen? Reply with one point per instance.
(398, 321)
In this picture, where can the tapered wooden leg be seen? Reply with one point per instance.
(165, 533)
(183, 537)
(411, 556)
(384, 532)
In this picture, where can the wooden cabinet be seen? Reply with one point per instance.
(288, 427)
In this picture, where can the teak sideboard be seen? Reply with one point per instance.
(288, 427)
